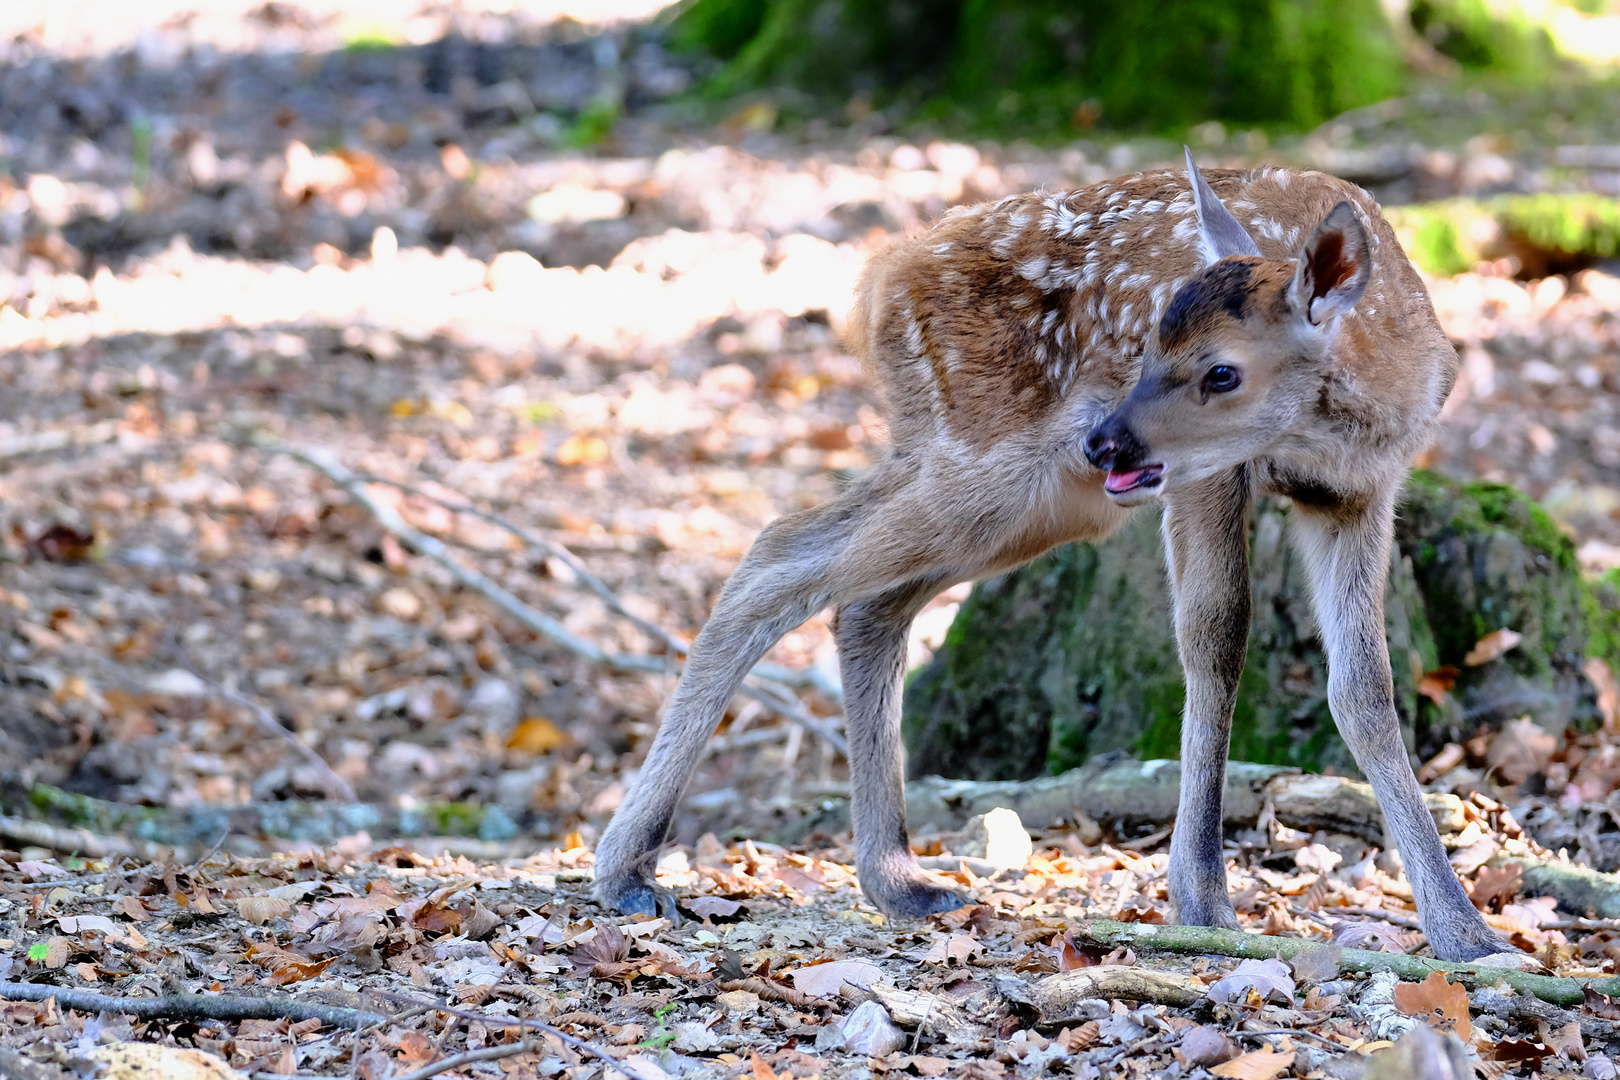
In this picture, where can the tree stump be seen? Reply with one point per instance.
(1074, 654)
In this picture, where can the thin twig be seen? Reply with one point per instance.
(521, 1022)
(193, 1006)
(538, 622)
(1337, 1048)
(271, 726)
(1394, 918)
(811, 677)
(485, 1053)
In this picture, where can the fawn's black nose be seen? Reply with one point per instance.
(1101, 448)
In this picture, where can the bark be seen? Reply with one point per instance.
(1074, 655)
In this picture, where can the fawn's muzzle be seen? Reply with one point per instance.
(1113, 447)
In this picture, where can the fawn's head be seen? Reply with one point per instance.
(1238, 355)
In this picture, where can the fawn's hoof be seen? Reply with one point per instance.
(633, 896)
(915, 899)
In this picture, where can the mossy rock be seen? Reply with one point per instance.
(1546, 233)
(1074, 655)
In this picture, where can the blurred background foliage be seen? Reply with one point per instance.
(1053, 67)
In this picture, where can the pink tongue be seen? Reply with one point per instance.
(1123, 481)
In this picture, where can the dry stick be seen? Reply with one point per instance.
(521, 1022)
(1207, 939)
(271, 726)
(537, 621)
(808, 677)
(79, 841)
(193, 1006)
(486, 1053)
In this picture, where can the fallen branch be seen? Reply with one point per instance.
(1525, 1007)
(537, 621)
(812, 677)
(1579, 888)
(43, 442)
(1057, 997)
(73, 841)
(1207, 939)
(193, 1006)
(271, 726)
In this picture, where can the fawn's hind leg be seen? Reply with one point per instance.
(781, 583)
(871, 635)
(1206, 545)
(867, 542)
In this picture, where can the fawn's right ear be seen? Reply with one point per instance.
(1333, 267)
(1219, 233)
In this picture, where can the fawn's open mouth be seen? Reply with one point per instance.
(1118, 483)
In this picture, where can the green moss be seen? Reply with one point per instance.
(1548, 231)
(1603, 613)
(1485, 36)
(1030, 65)
(1576, 224)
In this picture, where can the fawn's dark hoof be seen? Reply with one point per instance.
(633, 896)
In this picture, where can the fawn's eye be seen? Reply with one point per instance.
(1222, 379)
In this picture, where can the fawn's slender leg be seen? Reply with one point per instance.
(871, 637)
(1347, 555)
(1206, 544)
(782, 582)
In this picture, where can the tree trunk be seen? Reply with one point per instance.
(1074, 654)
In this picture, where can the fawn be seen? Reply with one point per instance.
(1050, 361)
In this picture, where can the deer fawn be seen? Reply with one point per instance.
(1050, 361)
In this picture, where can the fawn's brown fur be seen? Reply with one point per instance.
(1050, 361)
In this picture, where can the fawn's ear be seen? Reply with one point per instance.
(1219, 233)
(1333, 269)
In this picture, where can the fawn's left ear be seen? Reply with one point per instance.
(1333, 269)
(1219, 233)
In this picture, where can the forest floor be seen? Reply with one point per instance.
(260, 220)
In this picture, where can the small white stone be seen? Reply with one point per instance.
(869, 1031)
(1008, 846)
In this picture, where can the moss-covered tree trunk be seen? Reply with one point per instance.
(1047, 65)
(1074, 655)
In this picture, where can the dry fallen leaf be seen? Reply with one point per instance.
(825, 980)
(1565, 1040)
(1520, 750)
(1494, 887)
(954, 948)
(1492, 646)
(709, 906)
(1255, 1065)
(1268, 978)
(1205, 1045)
(1437, 1001)
(536, 735)
(1436, 684)
(259, 910)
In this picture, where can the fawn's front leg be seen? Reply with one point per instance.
(1347, 555)
(871, 636)
(1206, 544)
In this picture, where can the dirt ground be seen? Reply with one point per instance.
(378, 235)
